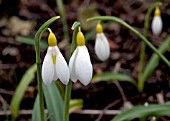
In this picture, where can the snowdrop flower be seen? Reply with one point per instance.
(80, 64)
(102, 48)
(157, 22)
(54, 65)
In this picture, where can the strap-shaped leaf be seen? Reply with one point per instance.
(140, 111)
(20, 90)
(54, 102)
(110, 76)
(154, 61)
(75, 104)
(36, 110)
(31, 41)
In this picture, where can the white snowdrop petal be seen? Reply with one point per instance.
(83, 66)
(72, 66)
(47, 68)
(102, 48)
(156, 25)
(61, 67)
(106, 44)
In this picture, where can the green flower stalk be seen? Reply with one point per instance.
(143, 46)
(69, 85)
(38, 62)
(118, 20)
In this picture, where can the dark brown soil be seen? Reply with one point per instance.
(125, 48)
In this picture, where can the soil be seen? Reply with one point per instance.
(17, 57)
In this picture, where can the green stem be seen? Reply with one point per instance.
(67, 101)
(69, 85)
(63, 19)
(143, 46)
(38, 62)
(65, 26)
(118, 20)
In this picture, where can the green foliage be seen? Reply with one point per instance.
(20, 90)
(141, 111)
(31, 41)
(36, 110)
(143, 46)
(54, 102)
(110, 76)
(154, 61)
(76, 104)
(38, 35)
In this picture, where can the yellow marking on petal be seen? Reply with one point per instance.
(99, 28)
(80, 38)
(54, 59)
(52, 41)
(157, 12)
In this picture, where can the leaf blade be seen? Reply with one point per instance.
(55, 104)
(140, 111)
(154, 61)
(36, 109)
(21, 88)
(110, 76)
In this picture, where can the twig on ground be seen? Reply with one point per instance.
(4, 102)
(106, 108)
(88, 112)
(116, 69)
(7, 92)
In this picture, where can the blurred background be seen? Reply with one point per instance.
(20, 20)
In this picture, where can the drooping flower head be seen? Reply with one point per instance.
(102, 48)
(80, 64)
(157, 22)
(54, 65)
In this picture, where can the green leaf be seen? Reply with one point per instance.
(140, 111)
(154, 61)
(31, 41)
(54, 102)
(75, 104)
(36, 110)
(19, 93)
(110, 76)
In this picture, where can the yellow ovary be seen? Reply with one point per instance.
(99, 28)
(157, 12)
(52, 41)
(80, 39)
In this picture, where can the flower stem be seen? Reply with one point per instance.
(69, 85)
(118, 20)
(143, 46)
(62, 13)
(67, 101)
(38, 62)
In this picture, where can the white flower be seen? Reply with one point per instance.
(80, 64)
(102, 48)
(157, 23)
(54, 65)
